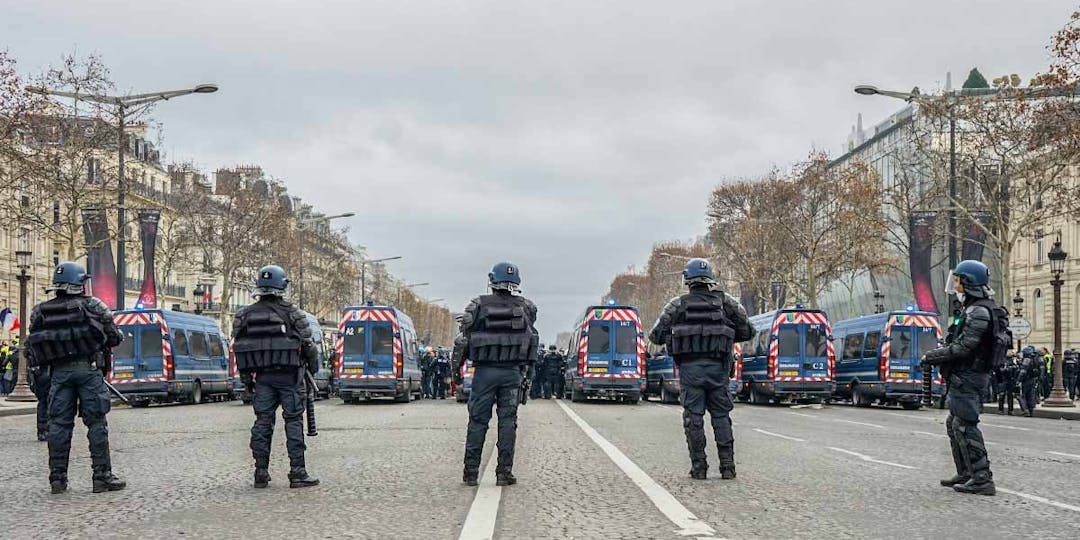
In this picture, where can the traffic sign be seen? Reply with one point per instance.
(1020, 328)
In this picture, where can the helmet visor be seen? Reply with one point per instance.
(953, 285)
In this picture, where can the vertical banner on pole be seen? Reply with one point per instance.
(921, 247)
(975, 239)
(99, 256)
(148, 231)
(748, 298)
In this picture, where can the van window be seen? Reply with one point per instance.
(626, 339)
(853, 346)
(215, 346)
(180, 343)
(599, 339)
(927, 340)
(762, 347)
(355, 340)
(789, 340)
(382, 339)
(873, 345)
(900, 345)
(817, 341)
(126, 348)
(198, 344)
(150, 342)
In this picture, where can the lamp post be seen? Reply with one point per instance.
(23, 260)
(363, 274)
(1058, 397)
(300, 244)
(409, 286)
(1018, 308)
(123, 106)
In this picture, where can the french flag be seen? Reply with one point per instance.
(8, 320)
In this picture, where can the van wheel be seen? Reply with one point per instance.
(756, 397)
(665, 395)
(140, 404)
(404, 397)
(857, 398)
(911, 406)
(577, 396)
(196, 394)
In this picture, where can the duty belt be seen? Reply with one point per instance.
(74, 365)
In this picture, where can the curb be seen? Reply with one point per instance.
(13, 411)
(1053, 413)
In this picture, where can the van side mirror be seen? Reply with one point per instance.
(886, 339)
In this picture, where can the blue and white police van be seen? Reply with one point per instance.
(790, 358)
(662, 379)
(879, 358)
(610, 355)
(377, 355)
(170, 356)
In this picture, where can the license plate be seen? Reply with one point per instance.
(789, 373)
(900, 375)
(354, 370)
(126, 375)
(597, 370)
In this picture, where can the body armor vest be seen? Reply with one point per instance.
(266, 339)
(700, 328)
(503, 332)
(66, 333)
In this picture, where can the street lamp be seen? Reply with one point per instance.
(409, 286)
(363, 274)
(300, 244)
(123, 104)
(1058, 397)
(1018, 308)
(879, 301)
(23, 259)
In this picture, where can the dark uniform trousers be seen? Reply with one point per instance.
(962, 425)
(273, 388)
(493, 386)
(705, 388)
(42, 387)
(72, 385)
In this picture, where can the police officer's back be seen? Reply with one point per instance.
(1029, 375)
(700, 329)
(976, 344)
(497, 334)
(70, 336)
(273, 344)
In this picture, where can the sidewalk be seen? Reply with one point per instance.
(1057, 413)
(9, 408)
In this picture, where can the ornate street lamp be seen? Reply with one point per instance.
(1058, 397)
(1018, 307)
(23, 259)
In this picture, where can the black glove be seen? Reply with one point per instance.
(935, 357)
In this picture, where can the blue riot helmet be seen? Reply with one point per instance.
(271, 281)
(698, 271)
(974, 276)
(505, 276)
(70, 277)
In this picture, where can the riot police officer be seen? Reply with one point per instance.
(966, 361)
(442, 374)
(70, 336)
(273, 345)
(427, 371)
(552, 361)
(498, 335)
(1029, 376)
(1072, 369)
(701, 328)
(1005, 379)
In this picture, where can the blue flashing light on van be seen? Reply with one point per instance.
(377, 355)
(170, 356)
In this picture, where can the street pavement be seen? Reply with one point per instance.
(592, 470)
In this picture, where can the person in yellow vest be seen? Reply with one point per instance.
(1048, 372)
(7, 369)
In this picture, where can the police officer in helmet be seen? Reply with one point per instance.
(71, 335)
(497, 334)
(700, 330)
(273, 345)
(965, 361)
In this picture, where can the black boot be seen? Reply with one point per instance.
(505, 479)
(108, 482)
(983, 486)
(699, 471)
(58, 486)
(958, 479)
(727, 461)
(470, 477)
(262, 477)
(41, 437)
(298, 478)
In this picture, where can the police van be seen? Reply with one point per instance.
(662, 379)
(610, 358)
(377, 355)
(790, 358)
(169, 356)
(879, 358)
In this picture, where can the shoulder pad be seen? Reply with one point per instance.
(95, 304)
(978, 311)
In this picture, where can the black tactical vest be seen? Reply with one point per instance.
(266, 339)
(66, 333)
(503, 332)
(700, 328)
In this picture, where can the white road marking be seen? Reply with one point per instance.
(914, 416)
(480, 522)
(688, 523)
(771, 434)
(865, 457)
(943, 436)
(1063, 454)
(679, 412)
(1006, 427)
(1039, 499)
(801, 414)
(859, 423)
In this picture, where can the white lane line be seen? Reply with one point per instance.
(771, 434)
(1039, 499)
(913, 416)
(859, 423)
(801, 414)
(688, 523)
(942, 436)
(1063, 454)
(679, 412)
(999, 426)
(865, 457)
(480, 522)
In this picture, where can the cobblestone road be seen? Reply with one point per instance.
(393, 471)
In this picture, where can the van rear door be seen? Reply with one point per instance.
(802, 351)
(624, 360)
(368, 349)
(599, 355)
(140, 355)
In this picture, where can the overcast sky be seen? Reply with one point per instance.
(565, 136)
